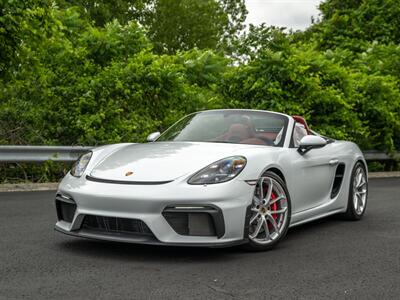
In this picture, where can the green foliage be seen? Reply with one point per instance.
(379, 59)
(105, 11)
(114, 42)
(338, 101)
(102, 85)
(49, 171)
(172, 25)
(258, 39)
(187, 24)
(236, 12)
(82, 73)
(349, 24)
(299, 81)
(21, 22)
(204, 68)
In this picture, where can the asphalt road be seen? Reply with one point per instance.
(329, 258)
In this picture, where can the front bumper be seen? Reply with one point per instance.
(148, 204)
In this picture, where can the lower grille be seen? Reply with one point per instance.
(115, 225)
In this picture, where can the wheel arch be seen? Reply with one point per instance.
(277, 172)
(362, 161)
(357, 156)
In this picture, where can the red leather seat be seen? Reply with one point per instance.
(238, 132)
(302, 121)
(267, 135)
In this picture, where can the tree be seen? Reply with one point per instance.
(350, 24)
(183, 25)
(105, 11)
(259, 38)
(173, 25)
(21, 21)
(186, 24)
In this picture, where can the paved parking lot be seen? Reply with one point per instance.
(329, 258)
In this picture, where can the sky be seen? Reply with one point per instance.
(292, 14)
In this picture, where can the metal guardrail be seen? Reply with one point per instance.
(39, 154)
(373, 155)
(12, 154)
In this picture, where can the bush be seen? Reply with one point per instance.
(102, 86)
(337, 101)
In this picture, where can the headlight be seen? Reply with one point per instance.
(220, 171)
(80, 165)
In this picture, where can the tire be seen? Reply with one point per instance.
(266, 228)
(358, 193)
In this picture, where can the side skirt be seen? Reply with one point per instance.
(313, 218)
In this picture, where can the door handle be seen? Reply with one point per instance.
(333, 162)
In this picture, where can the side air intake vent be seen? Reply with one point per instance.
(66, 207)
(195, 220)
(337, 182)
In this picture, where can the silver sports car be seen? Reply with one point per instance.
(215, 178)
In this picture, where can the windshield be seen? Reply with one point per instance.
(229, 126)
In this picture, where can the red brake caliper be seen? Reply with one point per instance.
(274, 206)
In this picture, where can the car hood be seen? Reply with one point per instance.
(162, 161)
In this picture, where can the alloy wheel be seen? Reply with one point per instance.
(359, 190)
(269, 211)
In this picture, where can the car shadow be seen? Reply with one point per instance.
(153, 253)
(315, 226)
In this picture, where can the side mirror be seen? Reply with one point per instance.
(309, 142)
(153, 136)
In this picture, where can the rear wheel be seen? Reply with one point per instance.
(270, 213)
(358, 193)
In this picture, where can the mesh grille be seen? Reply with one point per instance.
(115, 225)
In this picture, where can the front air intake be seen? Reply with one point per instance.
(115, 225)
(66, 208)
(195, 220)
(197, 224)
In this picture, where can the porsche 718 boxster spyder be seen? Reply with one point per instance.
(215, 178)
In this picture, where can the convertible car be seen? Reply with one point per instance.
(215, 178)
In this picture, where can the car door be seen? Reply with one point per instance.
(311, 175)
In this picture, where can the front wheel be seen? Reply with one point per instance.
(270, 213)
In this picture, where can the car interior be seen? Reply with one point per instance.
(248, 131)
(245, 131)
